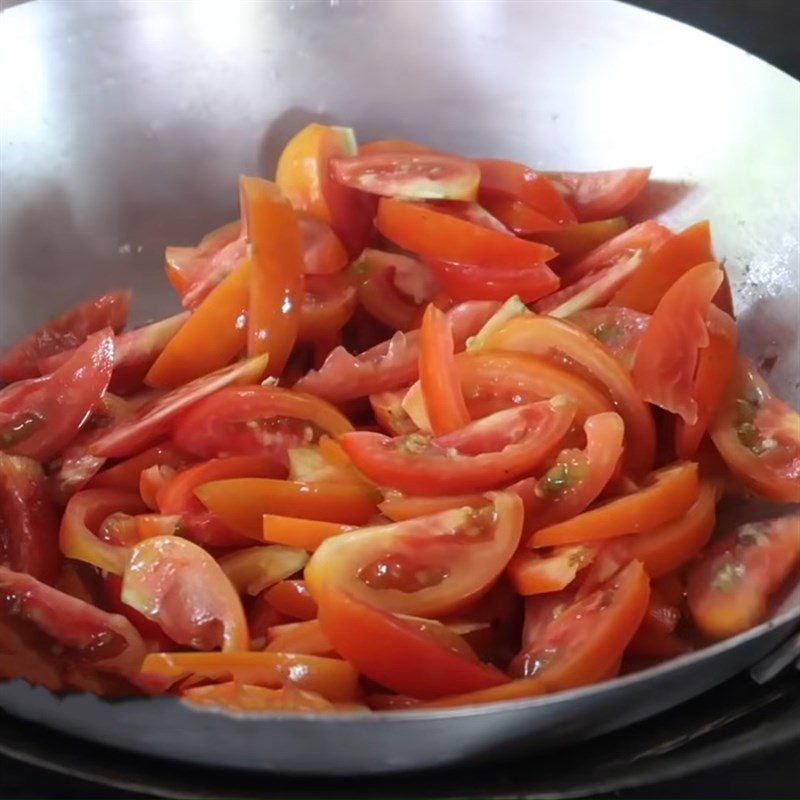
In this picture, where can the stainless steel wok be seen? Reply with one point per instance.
(123, 126)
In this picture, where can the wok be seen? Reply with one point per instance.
(124, 126)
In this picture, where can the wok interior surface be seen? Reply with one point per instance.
(125, 126)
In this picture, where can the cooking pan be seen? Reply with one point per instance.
(124, 127)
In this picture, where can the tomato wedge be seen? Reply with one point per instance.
(256, 420)
(436, 235)
(666, 360)
(620, 330)
(556, 340)
(328, 303)
(758, 436)
(323, 253)
(483, 455)
(428, 566)
(414, 176)
(576, 240)
(243, 697)
(29, 527)
(390, 414)
(254, 569)
(293, 599)
(152, 421)
(66, 332)
(532, 573)
(126, 474)
(308, 534)
(729, 588)
(178, 585)
(665, 494)
(516, 216)
(399, 653)
(299, 637)
(40, 416)
(596, 195)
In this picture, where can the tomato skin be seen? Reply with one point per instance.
(458, 566)
(291, 597)
(435, 235)
(729, 587)
(423, 175)
(395, 654)
(488, 453)
(226, 423)
(66, 332)
(178, 585)
(576, 240)
(307, 534)
(30, 519)
(596, 195)
(668, 353)
(39, 417)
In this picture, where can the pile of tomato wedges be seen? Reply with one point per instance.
(429, 431)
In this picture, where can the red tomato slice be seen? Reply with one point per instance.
(716, 365)
(323, 253)
(307, 534)
(29, 528)
(668, 353)
(389, 364)
(299, 637)
(178, 585)
(243, 698)
(152, 421)
(293, 599)
(491, 452)
(413, 176)
(256, 421)
(758, 436)
(398, 653)
(516, 216)
(84, 633)
(126, 474)
(620, 330)
(583, 639)
(435, 235)
(428, 566)
(438, 374)
(665, 494)
(509, 179)
(664, 265)
(39, 417)
(66, 332)
(730, 586)
(251, 570)
(556, 340)
(494, 283)
(596, 195)
(575, 241)
(470, 212)
(531, 573)
(328, 303)
(392, 287)
(578, 476)
(390, 414)
(152, 634)
(305, 177)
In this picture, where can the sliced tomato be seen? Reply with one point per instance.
(242, 503)
(331, 677)
(665, 494)
(664, 265)
(646, 237)
(716, 365)
(29, 525)
(390, 414)
(428, 566)
(242, 697)
(729, 587)
(596, 195)
(152, 634)
(533, 573)
(323, 253)
(276, 276)
(483, 455)
(152, 421)
(578, 476)
(293, 599)
(510, 179)
(392, 287)
(517, 216)
(422, 175)
(494, 283)
(256, 420)
(82, 632)
(328, 303)
(299, 637)
(181, 587)
(666, 360)
(436, 235)
(399, 653)
(575, 241)
(251, 570)
(126, 474)
(305, 533)
(671, 545)
(557, 340)
(399, 507)
(470, 212)
(66, 332)
(150, 525)
(758, 436)
(40, 416)
(577, 642)
(389, 364)
(81, 523)
(305, 177)
(618, 329)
